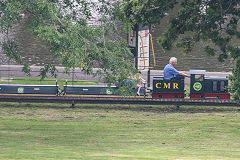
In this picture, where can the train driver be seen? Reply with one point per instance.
(171, 73)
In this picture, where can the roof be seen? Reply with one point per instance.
(197, 71)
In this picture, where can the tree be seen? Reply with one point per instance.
(196, 20)
(66, 27)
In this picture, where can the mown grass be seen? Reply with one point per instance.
(118, 132)
(46, 81)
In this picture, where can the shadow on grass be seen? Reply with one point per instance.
(140, 108)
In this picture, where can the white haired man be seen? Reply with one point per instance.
(171, 73)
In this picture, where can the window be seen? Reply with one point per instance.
(199, 77)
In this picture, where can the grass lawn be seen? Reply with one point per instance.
(118, 132)
(46, 81)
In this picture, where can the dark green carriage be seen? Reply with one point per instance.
(208, 87)
(89, 90)
(28, 89)
(202, 84)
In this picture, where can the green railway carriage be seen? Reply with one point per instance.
(208, 87)
(29, 89)
(89, 90)
(95, 90)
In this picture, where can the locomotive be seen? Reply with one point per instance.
(201, 87)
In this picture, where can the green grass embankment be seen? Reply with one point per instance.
(116, 132)
(46, 81)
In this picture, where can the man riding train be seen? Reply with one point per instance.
(171, 73)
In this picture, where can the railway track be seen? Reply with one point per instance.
(114, 100)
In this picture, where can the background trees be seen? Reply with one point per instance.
(67, 27)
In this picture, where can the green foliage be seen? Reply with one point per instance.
(210, 51)
(217, 21)
(143, 11)
(48, 68)
(235, 81)
(127, 87)
(186, 44)
(9, 14)
(65, 27)
(26, 69)
(10, 48)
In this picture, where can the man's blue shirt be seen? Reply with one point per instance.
(170, 72)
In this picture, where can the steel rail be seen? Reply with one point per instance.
(114, 100)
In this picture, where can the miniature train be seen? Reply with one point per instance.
(201, 87)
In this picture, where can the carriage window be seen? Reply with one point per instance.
(222, 86)
(198, 77)
(214, 86)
